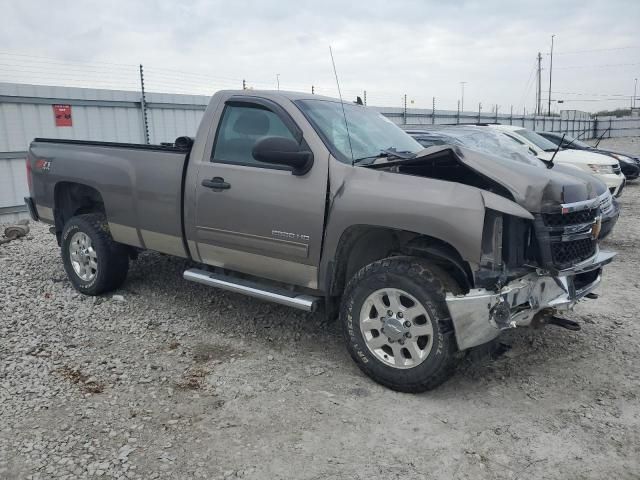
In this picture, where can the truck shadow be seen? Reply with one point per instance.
(515, 357)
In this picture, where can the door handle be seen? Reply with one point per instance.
(216, 183)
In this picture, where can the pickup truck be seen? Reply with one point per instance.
(312, 202)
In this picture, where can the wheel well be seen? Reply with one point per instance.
(71, 199)
(361, 245)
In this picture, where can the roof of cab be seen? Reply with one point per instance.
(293, 96)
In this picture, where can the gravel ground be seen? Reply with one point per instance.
(168, 379)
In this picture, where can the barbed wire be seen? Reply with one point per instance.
(31, 69)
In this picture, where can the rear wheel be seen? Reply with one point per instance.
(397, 324)
(94, 262)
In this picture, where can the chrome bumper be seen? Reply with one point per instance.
(479, 316)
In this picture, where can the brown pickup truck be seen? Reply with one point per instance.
(310, 202)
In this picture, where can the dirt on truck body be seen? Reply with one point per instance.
(311, 203)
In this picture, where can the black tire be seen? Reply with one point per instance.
(112, 257)
(428, 284)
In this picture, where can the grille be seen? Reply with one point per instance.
(606, 204)
(573, 218)
(568, 253)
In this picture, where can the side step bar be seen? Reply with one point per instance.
(307, 303)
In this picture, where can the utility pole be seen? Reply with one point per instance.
(462, 84)
(635, 88)
(278, 80)
(433, 110)
(539, 89)
(365, 98)
(405, 108)
(550, 73)
(244, 84)
(143, 105)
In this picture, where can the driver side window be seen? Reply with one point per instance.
(241, 127)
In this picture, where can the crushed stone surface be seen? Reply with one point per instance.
(166, 379)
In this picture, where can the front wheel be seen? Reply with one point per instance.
(397, 324)
(94, 262)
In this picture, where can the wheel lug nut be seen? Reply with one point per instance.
(401, 342)
(390, 313)
(390, 341)
(408, 335)
(400, 315)
(407, 324)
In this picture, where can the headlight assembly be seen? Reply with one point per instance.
(601, 169)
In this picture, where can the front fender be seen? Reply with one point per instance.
(448, 211)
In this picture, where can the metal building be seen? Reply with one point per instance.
(27, 111)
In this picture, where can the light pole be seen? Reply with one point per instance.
(550, 72)
(635, 88)
(278, 80)
(462, 102)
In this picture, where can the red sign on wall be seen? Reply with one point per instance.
(62, 115)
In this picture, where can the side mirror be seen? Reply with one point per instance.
(283, 151)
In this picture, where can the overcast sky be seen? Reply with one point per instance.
(388, 48)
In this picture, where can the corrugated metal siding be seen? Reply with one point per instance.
(13, 181)
(13, 187)
(166, 125)
(21, 123)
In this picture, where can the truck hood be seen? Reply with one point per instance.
(534, 187)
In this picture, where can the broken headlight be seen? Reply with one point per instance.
(492, 240)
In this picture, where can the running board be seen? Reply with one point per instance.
(307, 303)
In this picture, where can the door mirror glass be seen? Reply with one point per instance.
(283, 151)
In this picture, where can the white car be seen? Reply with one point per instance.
(603, 167)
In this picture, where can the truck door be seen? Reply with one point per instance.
(255, 217)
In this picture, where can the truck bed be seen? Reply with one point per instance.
(140, 185)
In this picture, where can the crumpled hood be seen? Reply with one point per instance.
(535, 188)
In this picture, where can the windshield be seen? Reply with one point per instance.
(538, 140)
(484, 141)
(574, 141)
(370, 132)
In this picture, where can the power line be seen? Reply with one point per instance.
(593, 94)
(527, 85)
(598, 66)
(597, 50)
(69, 62)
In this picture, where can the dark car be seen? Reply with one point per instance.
(486, 141)
(629, 164)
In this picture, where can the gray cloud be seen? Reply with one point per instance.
(421, 48)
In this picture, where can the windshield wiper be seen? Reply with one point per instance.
(550, 164)
(386, 153)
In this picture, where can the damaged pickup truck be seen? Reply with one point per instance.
(308, 202)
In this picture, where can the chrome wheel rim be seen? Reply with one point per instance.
(396, 328)
(84, 259)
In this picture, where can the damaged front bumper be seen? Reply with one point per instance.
(479, 316)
